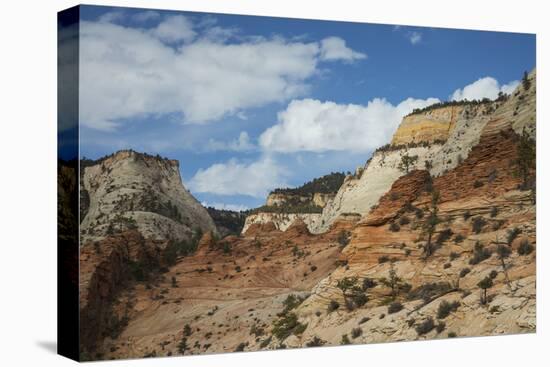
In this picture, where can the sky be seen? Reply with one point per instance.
(248, 104)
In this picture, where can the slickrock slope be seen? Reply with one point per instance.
(224, 297)
(130, 189)
(444, 252)
(442, 136)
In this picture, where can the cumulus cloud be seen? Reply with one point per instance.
(483, 88)
(175, 68)
(176, 28)
(312, 125)
(235, 178)
(415, 37)
(241, 144)
(334, 48)
(145, 16)
(223, 206)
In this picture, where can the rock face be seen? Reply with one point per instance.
(130, 189)
(427, 127)
(455, 131)
(395, 256)
(282, 221)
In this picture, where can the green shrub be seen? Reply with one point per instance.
(512, 234)
(287, 325)
(480, 254)
(315, 342)
(451, 334)
(240, 347)
(332, 306)
(478, 224)
(464, 272)
(445, 308)
(525, 248)
(394, 227)
(356, 332)
(345, 340)
(344, 237)
(425, 326)
(395, 307)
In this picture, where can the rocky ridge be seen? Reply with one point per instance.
(429, 253)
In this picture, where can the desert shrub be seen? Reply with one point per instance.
(477, 224)
(443, 236)
(512, 235)
(404, 221)
(363, 320)
(419, 213)
(493, 274)
(360, 299)
(383, 259)
(356, 332)
(454, 255)
(291, 302)
(466, 215)
(480, 254)
(459, 238)
(451, 334)
(478, 184)
(240, 347)
(464, 272)
(265, 342)
(287, 325)
(494, 309)
(445, 308)
(394, 227)
(345, 340)
(257, 331)
(313, 268)
(315, 342)
(395, 307)
(368, 283)
(494, 212)
(429, 290)
(446, 265)
(525, 248)
(333, 306)
(182, 346)
(425, 326)
(344, 238)
(440, 327)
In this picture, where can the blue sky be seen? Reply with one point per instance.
(247, 104)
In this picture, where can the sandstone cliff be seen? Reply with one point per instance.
(430, 253)
(130, 189)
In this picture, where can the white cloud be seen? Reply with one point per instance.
(223, 206)
(312, 125)
(241, 144)
(234, 178)
(483, 88)
(176, 28)
(334, 48)
(134, 72)
(111, 17)
(415, 37)
(145, 16)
